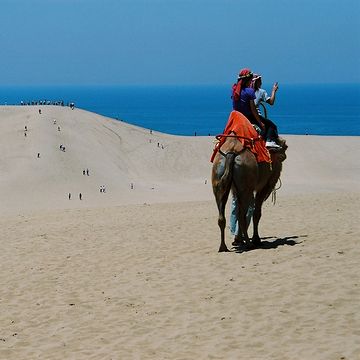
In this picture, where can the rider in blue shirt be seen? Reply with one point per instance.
(243, 97)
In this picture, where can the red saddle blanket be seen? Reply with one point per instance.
(239, 125)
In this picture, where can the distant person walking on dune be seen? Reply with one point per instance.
(80, 196)
(69, 196)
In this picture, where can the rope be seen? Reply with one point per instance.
(231, 152)
(218, 137)
(273, 193)
(250, 140)
(264, 109)
(279, 184)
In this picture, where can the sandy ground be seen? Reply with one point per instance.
(135, 273)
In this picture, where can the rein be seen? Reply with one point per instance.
(273, 193)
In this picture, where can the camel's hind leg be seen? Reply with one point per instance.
(221, 193)
(221, 204)
(261, 196)
(256, 218)
(244, 179)
(221, 181)
(259, 199)
(239, 238)
(243, 206)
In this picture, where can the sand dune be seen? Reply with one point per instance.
(161, 167)
(116, 154)
(135, 273)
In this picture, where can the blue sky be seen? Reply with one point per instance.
(107, 42)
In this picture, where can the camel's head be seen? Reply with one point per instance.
(281, 154)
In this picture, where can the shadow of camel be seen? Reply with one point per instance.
(288, 240)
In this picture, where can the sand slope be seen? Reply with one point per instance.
(113, 278)
(116, 154)
(161, 167)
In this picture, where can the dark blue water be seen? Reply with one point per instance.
(299, 109)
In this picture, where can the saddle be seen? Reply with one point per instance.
(240, 127)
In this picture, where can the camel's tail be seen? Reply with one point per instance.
(226, 178)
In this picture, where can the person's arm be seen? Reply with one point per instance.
(271, 100)
(255, 113)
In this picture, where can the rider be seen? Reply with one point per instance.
(243, 97)
(262, 96)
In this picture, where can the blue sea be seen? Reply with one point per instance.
(186, 110)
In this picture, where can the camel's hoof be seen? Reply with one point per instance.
(249, 246)
(237, 242)
(256, 242)
(223, 249)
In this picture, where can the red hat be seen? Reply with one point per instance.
(244, 74)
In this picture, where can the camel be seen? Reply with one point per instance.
(235, 167)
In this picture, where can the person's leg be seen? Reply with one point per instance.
(234, 228)
(270, 133)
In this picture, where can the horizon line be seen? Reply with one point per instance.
(168, 85)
